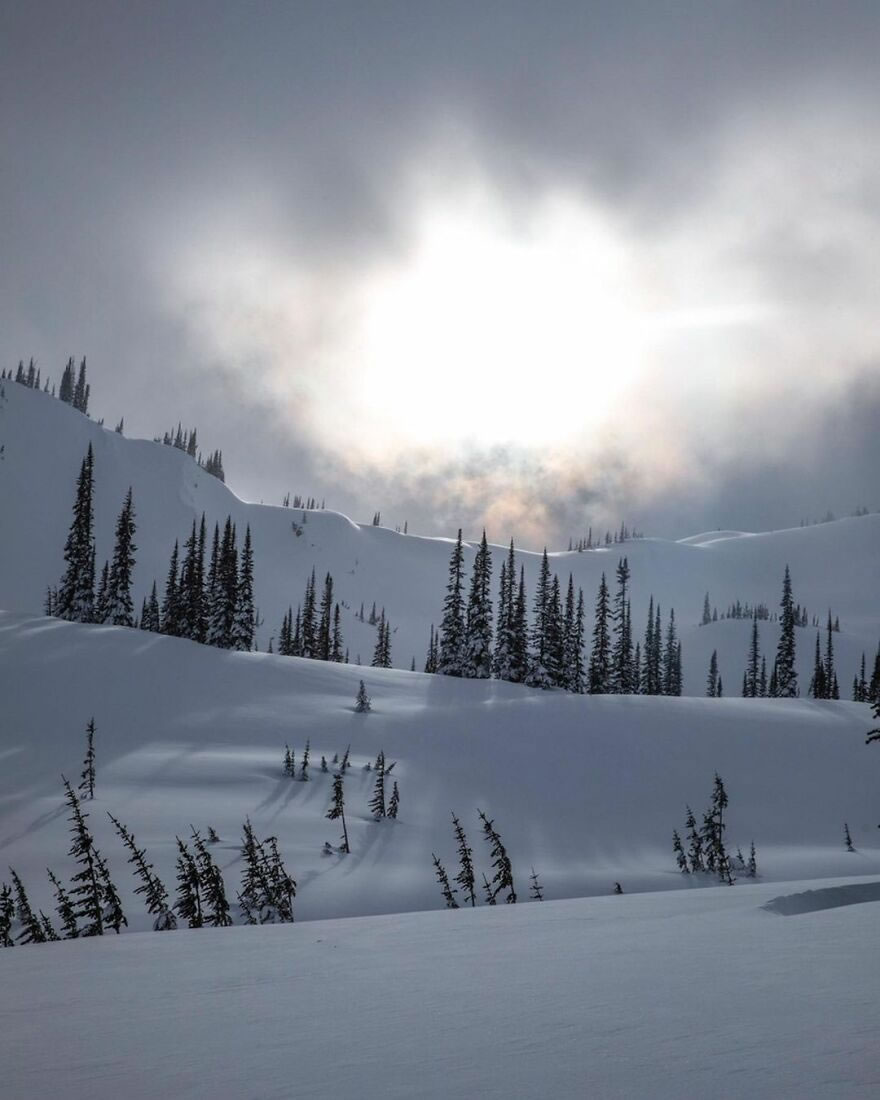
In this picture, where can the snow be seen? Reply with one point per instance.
(677, 988)
(691, 994)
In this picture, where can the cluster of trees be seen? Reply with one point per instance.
(706, 851)
(550, 653)
(823, 684)
(188, 441)
(783, 680)
(865, 690)
(586, 541)
(74, 389)
(302, 502)
(760, 611)
(501, 885)
(316, 630)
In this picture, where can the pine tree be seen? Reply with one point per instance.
(289, 768)
(189, 893)
(753, 863)
(394, 802)
(81, 391)
(112, 914)
(504, 632)
(536, 891)
(786, 673)
(308, 626)
(519, 654)
(244, 619)
(452, 626)
(64, 908)
(539, 675)
(150, 615)
(443, 879)
(150, 885)
(818, 688)
(87, 892)
(847, 839)
(431, 656)
(465, 876)
(171, 616)
(7, 915)
(100, 608)
(120, 610)
(600, 658)
(377, 802)
(337, 647)
(753, 668)
(503, 878)
(830, 674)
(362, 703)
(478, 625)
(211, 886)
(671, 665)
(32, 930)
(713, 834)
(337, 807)
(707, 611)
(65, 390)
(324, 638)
(650, 668)
(712, 680)
(621, 652)
(76, 592)
(695, 843)
(304, 766)
(87, 776)
(680, 857)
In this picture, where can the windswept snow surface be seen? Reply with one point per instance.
(694, 995)
(586, 789)
(833, 565)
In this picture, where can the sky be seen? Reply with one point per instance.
(534, 267)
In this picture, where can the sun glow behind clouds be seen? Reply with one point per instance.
(494, 331)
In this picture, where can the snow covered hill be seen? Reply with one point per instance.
(834, 565)
(587, 789)
(657, 996)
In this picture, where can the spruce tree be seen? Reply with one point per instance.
(695, 843)
(501, 657)
(478, 626)
(87, 776)
(337, 807)
(304, 766)
(712, 680)
(621, 651)
(362, 703)
(830, 674)
(443, 879)
(519, 653)
(817, 685)
(753, 668)
(539, 675)
(211, 886)
(324, 641)
(671, 664)
(149, 884)
(680, 857)
(112, 914)
(452, 626)
(377, 802)
(394, 802)
(189, 892)
(244, 618)
(120, 610)
(600, 657)
(87, 891)
(7, 915)
(337, 646)
(785, 670)
(32, 931)
(465, 877)
(753, 863)
(847, 839)
(171, 611)
(76, 592)
(502, 880)
(536, 891)
(308, 625)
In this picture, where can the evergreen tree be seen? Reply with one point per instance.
(539, 675)
(786, 673)
(87, 776)
(536, 891)
(337, 648)
(323, 644)
(394, 802)
(64, 908)
(150, 615)
(695, 843)
(76, 592)
(149, 884)
(707, 611)
(502, 880)
(32, 930)
(575, 673)
(191, 592)
(7, 915)
(452, 627)
(671, 666)
(211, 886)
(362, 703)
(503, 634)
(171, 616)
(830, 674)
(337, 807)
(753, 863)
(304, 766)
(81, 391)
(120, 610)
(87, 891)
(712, 680)
(289, 768)
(65, 390)
(680, 857)
(600, 658)
(621, 652)
(519, 654)
(477, 664)
(753, 668)
(650, 665)
(818, 687)
(847, 839)
(443, 879)
(431, 658)
(112, 914)
(465, 876)
(100, 608)
(377, 802)
(189, 890)
(244, 618)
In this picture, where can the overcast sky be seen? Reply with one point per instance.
(538, 266)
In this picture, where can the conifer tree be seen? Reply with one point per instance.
(362, 703)
(65, 390)
(536, 891)
(671, 667)
(818, 687)
(244, 619)
(712, 680)
(621, 652)
(847, 839)
(211, 886)
(304, 766)
(171, 617)
(785, 670)
(308, 624)
(707, 611)
(120, 610)
(81, 391)
(431, 657)
(575, 672)
(519, 654)
(502, 880)
(600, 657)
(753, 863)
(680, 857)
(337, 648)
(477, 663)
(87, 776)
(150, 614)
(443, 879)
(650, 668)
(501, 656)
(149, 884)
(112, 914)
(100, 608)
(289, 768)
(32, 931)
(452, 626)
(465, 877)
(377, 802)
(830, 675)
(7, 915)
(394, 802)
(695, 843)
(337, 808)
(753, 667)
(76, 592)
(189, 894)
(539, 675)
(87, 891)
(324, 641)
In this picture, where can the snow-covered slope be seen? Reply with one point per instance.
(625, 998)
(833, 565)
(585, 789)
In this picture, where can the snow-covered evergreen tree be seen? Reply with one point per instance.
(785, 671)
(76, 591)
(149, 884)
(443, 879)
(502, 880)
(452, 627)
(120, 609)
(477, 663)
(600, 657)
(87, 776)
(337, 807)
(377, 802)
